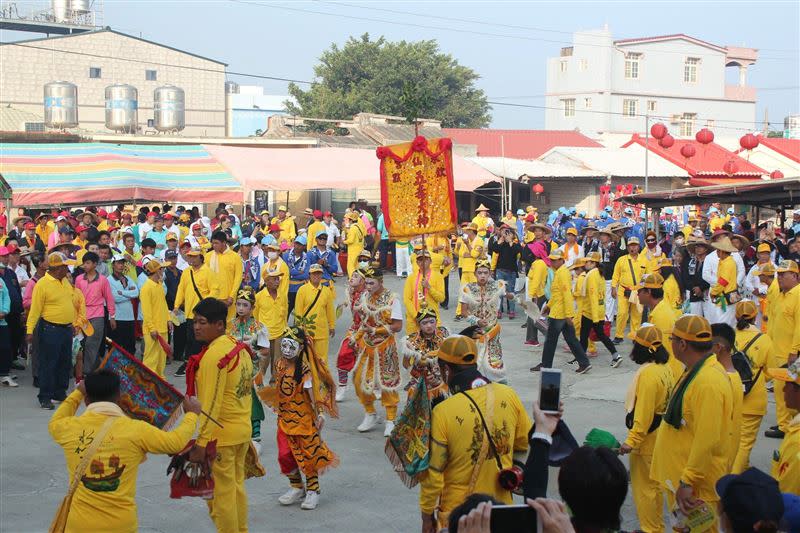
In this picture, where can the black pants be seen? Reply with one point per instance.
(292, 298)
(554, 329)
(16, 333)
(124, 335)
(446, 300)
(179, 342)
(55, 361)
(533, 328)
(193, 346)
(383, 249)
(5, 351)
(586, 326)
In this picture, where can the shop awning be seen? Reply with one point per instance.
(44, 175)
(761, 193)
(322, 168)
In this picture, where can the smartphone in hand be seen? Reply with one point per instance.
(550, 390)
(515, 519)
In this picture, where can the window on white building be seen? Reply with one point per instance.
(563, 66)
(150, 75)
(687, 124)
(587, 103)
(95, 72)
(690, 68)
(569, 107)
(632, 65)
(710, 123)
(583, 65)
(651, 106)
(629, 107)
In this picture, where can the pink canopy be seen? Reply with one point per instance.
(281, 169)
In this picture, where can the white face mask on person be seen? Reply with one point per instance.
(272, 255)
(363, 264)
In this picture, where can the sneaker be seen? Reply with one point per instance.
(387, 430)
(47, 405)
(369, 422)
(311, 501)
(458, 318)
(340, 390)
(618, 340)
(512, 315)
(533, 343)
(181, 370)
(774, 434)
(593, 353)
(7, 381)
(616, 361)
(537, 368)
(16, 365)
(292, 496)
(524, 325)
(774, 428)
(583, 369)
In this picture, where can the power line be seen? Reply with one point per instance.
(460, 30)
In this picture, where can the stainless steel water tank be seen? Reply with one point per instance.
(169, 108)
(60, 10)
(61, 105)
(80, 6)
(231, 87)
(122, 108)
(791, 127)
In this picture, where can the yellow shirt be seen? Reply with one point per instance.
(737, 390)
(45, 231)
(652, 262)
(663, 317)
(455, 433)
(433, 296)
(593, 296)
(784, 323)
(313, 228)
(322, 317)
(225, 394)
(155, 313)
(537, 279)
(726, 277)
(288, 229)
(672, 293)
(786, 461)
(653, 387)
(755, 402)
(272, 312)
(440, 249)
(482, 222)
(694, 454)
(468, 256)
(561, 303)
(716, 223)
(229, 270)
(109, 505)
(278, 265)
(51, 301)
(207, 284)
(622, 278)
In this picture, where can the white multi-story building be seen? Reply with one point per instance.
(602, 86)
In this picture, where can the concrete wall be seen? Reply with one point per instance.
(26, 70)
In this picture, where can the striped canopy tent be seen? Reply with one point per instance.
(46, 175)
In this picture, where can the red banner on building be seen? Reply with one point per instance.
(417, 192)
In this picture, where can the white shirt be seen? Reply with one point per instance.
(144, 229)
(22, 275)
(333, 233)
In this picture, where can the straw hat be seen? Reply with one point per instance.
(546, 229)
(482, 208)
(724, 244)
(745, 242)
(697, 242)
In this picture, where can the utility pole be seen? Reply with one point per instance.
(646, 150)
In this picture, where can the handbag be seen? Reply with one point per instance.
(192, 479)
(59, 523)
(606, 331)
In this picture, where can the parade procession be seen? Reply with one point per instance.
(249, 313)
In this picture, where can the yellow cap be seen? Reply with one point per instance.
(315, 268)
(790, 374)
(196, 250)
(787, 265)
(282, 208)
(458, 350)
(57, 259)
(692, 328)
(664, 262)
(274, 274)
(154, 266)
(352, 216)
(763, 247)
(746, 309)
(572, 231)
(651, 281)
(556, 255)
(594, 257)
(579, 263)
(649, 336)
(171, 236)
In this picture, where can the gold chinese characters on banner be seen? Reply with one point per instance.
(417, 192)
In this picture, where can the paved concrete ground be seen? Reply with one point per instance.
(362, 495)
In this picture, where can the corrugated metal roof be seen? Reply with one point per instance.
(615, 162)
(516, 168)
(519, 144)
(786, 147)
(14, 119)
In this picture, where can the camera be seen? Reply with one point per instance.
(511, 478)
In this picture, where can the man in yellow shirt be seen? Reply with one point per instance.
(44, 227)
(442, 260)
(354, 240)
(593, 307)
(221, 377)
(423, 288)
(691, 226)
(690, 453)
(724, 293)
(470, 248)
(227, 265)
(109, 503)
(314, 312)
(482, 220)
(315, 227)
(197, 282)
(724, 344)
(462, 460)
(274, 264)
(52, 308)
(662, 315)
(786, 462)
(628, 272)
(561, 311)
(784, 329)
(272, 309)
(155, 317)
(287, 225)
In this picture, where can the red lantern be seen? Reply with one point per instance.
(658, 130)
(730, 167)
(666, 141)
(687, 151)
(776, 175)
(748, 141)
(705, 136)
(538, 189)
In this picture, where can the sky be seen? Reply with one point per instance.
(506, 42)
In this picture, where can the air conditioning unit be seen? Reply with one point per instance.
(675, 119)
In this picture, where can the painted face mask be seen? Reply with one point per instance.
(243, 308)
(290, 348)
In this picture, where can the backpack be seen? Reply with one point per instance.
(742, 365)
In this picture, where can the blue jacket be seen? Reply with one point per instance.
(332, 265)
(382, 228)
(5, 302)
(123, 298)
(298, 269)
(13, 289)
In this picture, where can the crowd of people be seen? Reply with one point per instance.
(246, 306)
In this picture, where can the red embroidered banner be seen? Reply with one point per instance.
(417, 192)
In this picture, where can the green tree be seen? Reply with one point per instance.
(408, 79)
